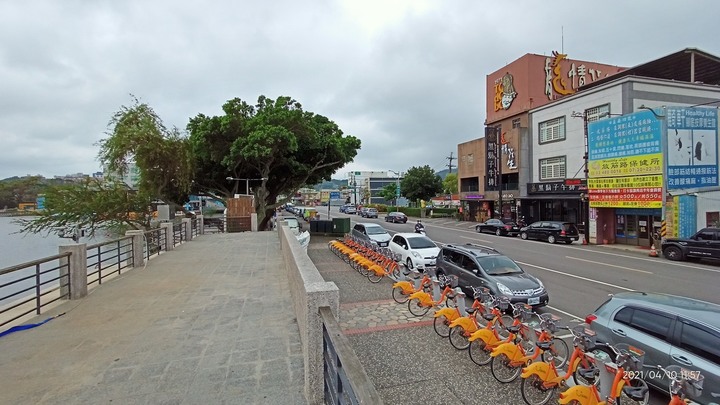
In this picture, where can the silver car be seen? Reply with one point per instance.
(371, 232)
(672, 330)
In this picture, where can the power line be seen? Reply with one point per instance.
(450, 160)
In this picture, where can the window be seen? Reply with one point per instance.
(516, 123)
(552, 130)
(700, 341)
(595, 113)
(552, 168)
(706, 235)
(645, 321)
(468, 264)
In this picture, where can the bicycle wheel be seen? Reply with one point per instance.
(533, 391)
(458, 339)
(585, 364)
(504, 321)
(626, 400)
(416, 308)
(374, 277)
(395, 271)
(479, 353)
(560, 353)
(399, 296)
(362, 269)
(502, 370)
(450, 302)
(442, 326)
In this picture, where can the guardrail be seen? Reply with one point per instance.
(155, 242)
(178, 233)
(108, 258)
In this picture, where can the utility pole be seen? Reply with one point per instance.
(450, 165)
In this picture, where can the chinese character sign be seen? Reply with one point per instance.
(491, 159)
(692, 142)
(626, 192)
(686, 215)
(635, 134)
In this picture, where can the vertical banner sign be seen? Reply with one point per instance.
(491, 158)
(692, 140)
(687, 220)
(625, 161)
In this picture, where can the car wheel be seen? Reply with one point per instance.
(498, 233)
(673, 253)
(551, 239)
(409, 264)
(523, 235)
(477, 229)
(569, 242)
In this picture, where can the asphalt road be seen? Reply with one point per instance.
(578, 278)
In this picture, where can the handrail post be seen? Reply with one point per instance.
(138, 238)
(76, 266)
(169, 235)
(201, 224)
(187, 224)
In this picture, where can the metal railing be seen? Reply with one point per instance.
(178, 233)
(345, 379)
(155, 242)
(35, 285)
(195, 227)
(107, 258)
(214, 225)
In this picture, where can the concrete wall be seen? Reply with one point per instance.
(309, 291)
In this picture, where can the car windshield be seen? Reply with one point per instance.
(421, 243)
(499, 265)
(375, 230)
(292, 222)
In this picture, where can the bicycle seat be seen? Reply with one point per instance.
(544, 344)
(636, 393)
(471, 310)
(489, 317)
(589, 373)
(513, 328)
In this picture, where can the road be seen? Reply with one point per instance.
(578, 278)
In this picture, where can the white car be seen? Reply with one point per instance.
(417, 250)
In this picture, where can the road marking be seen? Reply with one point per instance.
(578, 277)
(564, 313)
(689, 266)
(609, 265)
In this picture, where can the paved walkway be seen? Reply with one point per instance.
(208, 323)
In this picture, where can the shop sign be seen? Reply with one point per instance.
(567, 186)
(559, 82)
(504, 92)
(475, 197)
(692, 141)
(627, 166)
(491, 159)
(626, 192)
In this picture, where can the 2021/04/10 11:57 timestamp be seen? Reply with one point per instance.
(659, 374)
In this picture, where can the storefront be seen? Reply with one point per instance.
(555, 201)
(636, 226)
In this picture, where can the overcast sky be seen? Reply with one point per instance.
(406, 77)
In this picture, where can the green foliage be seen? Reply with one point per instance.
(17, 190)
(450, 183)
(421, 183)
(91, 205)
(162, 156)
(275, 140)
(388, 192)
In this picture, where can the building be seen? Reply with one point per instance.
(366, 186)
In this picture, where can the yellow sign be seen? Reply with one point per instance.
(640, 182)
(626, 166)
(626, 192)
(625, 204)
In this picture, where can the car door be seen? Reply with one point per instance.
(399, 246)
(645, 329)
(701, 244)
(468, 269)
(698, 349)
(537, 230)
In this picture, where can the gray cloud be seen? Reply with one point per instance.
(406, 77)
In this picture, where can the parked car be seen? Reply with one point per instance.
(350, 210)
(551, 231)
(292, 222)
(416, 250)
(372, 232)
(704, 244)
(670, 329)
(369, 213)
(482, 266)
(498, 227)
(396, 217)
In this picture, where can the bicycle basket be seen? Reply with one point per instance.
(691, 381)
(585, 338)
(549, 322)
(481, 294)
(502, 302)
(634, 356)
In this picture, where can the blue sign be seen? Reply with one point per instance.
(628, 135)
(334, 195)
(40, 202)
(687, 218)
(397, 191)
(692, 142)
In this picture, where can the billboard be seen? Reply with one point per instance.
(692, 142)
(625, 161)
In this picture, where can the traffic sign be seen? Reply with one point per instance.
(334, 195)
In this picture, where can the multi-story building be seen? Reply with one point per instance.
(366, 186)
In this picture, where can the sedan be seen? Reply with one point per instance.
(415, 250)
(498, 227)
(396, 217)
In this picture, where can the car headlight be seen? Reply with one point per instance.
(416, 254)
(504, 290)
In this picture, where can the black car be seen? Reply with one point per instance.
(704, 244)
(482, 266)
(396, 217)
(551, 231)
(498, 227)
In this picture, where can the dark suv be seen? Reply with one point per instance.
(670, 329)
(483, 266)
(551, 231)
(704, 244)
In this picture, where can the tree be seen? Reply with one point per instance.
(388, 192)
(275, 140)
(17, 190)
(90, 205)
(421, 183)
(450, 184)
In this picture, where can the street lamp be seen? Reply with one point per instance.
(247, 183)
(397, 188)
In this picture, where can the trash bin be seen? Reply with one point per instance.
(341, 225)
(314, 226)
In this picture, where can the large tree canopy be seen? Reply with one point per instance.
(421, 183)
(274, 140)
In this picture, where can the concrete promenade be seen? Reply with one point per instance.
(210, 322)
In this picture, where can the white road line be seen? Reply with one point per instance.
(578, 277)
(609, 265)
(565, 313)
(689, 266)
